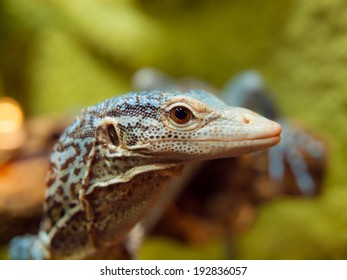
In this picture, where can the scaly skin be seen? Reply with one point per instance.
(111, 165)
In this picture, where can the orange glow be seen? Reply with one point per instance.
(12, 133)
(11, 115)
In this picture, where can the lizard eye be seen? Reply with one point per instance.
(180, 114)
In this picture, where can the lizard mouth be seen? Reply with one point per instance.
(219, 148)
(234, 148)
(267, 142)
(254, 144)
(276, 139)
(273, 140)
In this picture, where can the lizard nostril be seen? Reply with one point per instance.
(247, 118)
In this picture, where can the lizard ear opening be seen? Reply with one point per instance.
(112, 133)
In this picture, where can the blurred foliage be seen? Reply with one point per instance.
(310, 73)
(73, 53)
(168, 249)
(299, 229)
(59, 55)
(3, 254)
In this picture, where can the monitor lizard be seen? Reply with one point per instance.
(113, 162)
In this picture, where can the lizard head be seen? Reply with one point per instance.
(104, 169)
(181, 126)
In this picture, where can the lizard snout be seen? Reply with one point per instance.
(262, 126)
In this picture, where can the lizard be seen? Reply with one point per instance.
(111, 165)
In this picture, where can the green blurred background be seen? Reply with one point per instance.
(57, 56)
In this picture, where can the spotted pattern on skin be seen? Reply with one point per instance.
(98, 190)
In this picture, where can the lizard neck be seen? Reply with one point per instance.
(111, 211)
(135, 197)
